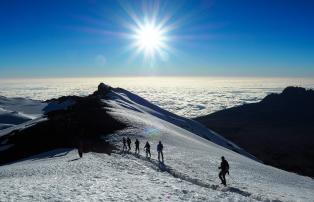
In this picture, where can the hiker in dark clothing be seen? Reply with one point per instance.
(160, 147)
(137, 146)
(224, 167)
(129, 143)
(147, 149)
(124, 144)
(80, 148)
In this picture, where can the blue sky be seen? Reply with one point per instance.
(208, 38)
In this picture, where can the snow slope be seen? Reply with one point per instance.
(189, 174)
(122, 99)
(15, 111)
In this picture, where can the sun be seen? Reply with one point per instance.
(150, 39)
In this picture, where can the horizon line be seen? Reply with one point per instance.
(158, 76)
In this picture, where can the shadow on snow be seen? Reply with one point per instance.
(161, 167)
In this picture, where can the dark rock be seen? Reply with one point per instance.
(103, 89)
(279, 130)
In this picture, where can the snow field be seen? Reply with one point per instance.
(96, 177)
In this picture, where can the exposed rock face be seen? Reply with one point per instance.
(103, 89)
(279, 130)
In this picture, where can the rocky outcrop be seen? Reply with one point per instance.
(102, 90)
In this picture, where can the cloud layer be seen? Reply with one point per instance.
(189, 97)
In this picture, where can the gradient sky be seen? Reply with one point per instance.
(61, 38)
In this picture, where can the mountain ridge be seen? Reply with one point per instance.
(278, 130)
(69, 119)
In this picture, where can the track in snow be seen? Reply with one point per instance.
(161, 167)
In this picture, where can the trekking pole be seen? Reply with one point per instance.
(231, 178)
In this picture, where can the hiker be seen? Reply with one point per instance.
(147, 149)
(124, 144)
(224, 167)
(80, 148)
(129, 143)
(137, 146)
(160, 147)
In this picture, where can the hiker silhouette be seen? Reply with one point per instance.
(224, 169)
(137, 146)
(147, 149)
(160, 148)
(129, 143)
(80, 148)
(124, 144)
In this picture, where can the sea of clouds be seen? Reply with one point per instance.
(185, 96)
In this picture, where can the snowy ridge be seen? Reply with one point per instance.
(189, 174)
(130, 101)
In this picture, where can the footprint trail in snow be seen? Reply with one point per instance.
(161, 167)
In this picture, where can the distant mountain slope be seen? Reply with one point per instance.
(279, 130)
(14, 111)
